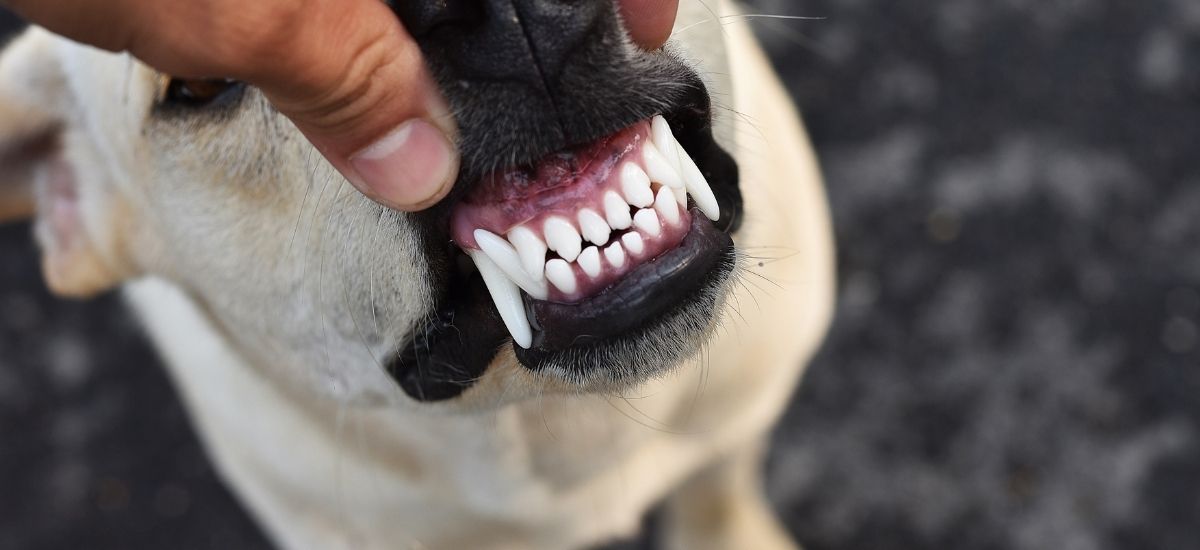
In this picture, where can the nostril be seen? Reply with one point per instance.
(422, 17)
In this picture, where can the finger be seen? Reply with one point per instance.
(356, 85)
(344, 71)
(649, 21)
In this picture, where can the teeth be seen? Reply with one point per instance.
(589, 261)
(506, 258)
(633, 242)
(680, 197)
(561, 275)
(666, 206)
(647, 221)
(615, 254)
(532, 250)
(664, 140)
(507, 298)
(562, 238)
(698, 188)
(659, 168)
(616, 211)
(635, 184)
(595, 228)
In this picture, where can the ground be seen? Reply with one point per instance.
(1015, 362)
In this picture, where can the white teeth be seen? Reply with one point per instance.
(635, 184)
(666, 206)
(616, 211)
(532, 250)
(505, 257)
(647, 221)
(595, 228)
(615, 254)
(589, 261)
(561, 275)
(698, 188)
(633, 242)
(562, 238)
(507, 298)
(664, 140)
(659, 168)
(680, 196)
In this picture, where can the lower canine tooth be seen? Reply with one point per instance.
(507, 298)
(616, 211)
(647, 221)
(666, 206)
(589, 261)
(633, 242)
(561, 275)
(635, 184)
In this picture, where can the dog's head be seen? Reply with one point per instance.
(586, 244)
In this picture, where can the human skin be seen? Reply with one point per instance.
(344, 71)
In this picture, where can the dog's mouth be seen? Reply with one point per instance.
(603, 263)
(589, 243)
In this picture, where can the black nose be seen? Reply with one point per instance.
(519, 41)
(528, 77)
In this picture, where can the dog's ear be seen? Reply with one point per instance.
(34, 180)
(31, 86)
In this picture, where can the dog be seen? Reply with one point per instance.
(607, 314)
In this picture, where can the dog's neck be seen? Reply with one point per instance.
(533, 455)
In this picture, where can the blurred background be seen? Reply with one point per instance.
(1015, 362)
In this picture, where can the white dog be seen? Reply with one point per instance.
(608, 313)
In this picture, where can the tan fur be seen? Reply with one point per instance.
(256, 280)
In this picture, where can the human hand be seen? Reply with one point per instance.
(344, 71)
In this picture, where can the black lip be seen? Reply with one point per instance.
(638, 299)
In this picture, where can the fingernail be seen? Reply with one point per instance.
(412, 167)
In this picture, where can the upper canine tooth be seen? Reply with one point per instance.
(616, 211)
(665, 141)
(615, 254)
(666, 206)
(659, 168)
(506, 258)
(635, 184)
(532, 250)
(561, 275)
(595, 228)
(507, 298)
(633, 242)
(562, 238)
(647, 221)
(699, 189)
(589, 261)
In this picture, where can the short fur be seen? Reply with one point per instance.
(277, 296)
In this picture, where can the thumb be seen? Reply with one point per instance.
(355, 83)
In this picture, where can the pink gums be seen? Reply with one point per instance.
(562, 185)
